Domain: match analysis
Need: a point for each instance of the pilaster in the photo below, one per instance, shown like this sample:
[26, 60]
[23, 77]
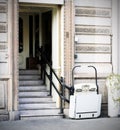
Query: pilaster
[68, 40]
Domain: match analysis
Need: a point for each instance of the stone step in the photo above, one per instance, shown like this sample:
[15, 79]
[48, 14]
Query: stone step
[32, 88]
[35, 114]
[22, 117]
[28, 77]
[24, 72]
[37, 106]
[40, 112]
[32, 94]
[40, 117]
[35, 100]
[30, 82]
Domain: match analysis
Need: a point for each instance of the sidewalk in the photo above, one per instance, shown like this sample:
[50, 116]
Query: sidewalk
[62, 124]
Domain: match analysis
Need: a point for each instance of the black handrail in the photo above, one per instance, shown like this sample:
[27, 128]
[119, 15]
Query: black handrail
[44, 62]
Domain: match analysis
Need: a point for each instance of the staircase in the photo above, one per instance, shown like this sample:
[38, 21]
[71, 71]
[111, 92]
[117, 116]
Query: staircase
[34, 102]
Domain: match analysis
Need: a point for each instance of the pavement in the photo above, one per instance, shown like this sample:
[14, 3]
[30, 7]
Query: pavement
[62, 124]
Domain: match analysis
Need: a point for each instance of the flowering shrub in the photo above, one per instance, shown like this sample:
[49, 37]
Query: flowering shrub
[113, 81]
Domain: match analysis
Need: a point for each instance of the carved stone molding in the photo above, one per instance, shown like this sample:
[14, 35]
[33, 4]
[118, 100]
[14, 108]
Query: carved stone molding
[3, 8]
[3, 1]
[3, 47]
[92, 30]
[95, 12]
[3, 28]
[86, 49]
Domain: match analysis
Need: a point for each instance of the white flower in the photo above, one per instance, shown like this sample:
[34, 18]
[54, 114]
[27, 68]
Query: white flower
[113, 81]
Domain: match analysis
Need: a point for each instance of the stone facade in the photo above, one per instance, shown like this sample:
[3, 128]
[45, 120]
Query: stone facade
[93, 23]
[8, 59]
[3, 60]
[88, 29]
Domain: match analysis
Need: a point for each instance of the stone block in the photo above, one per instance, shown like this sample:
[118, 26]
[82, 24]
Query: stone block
[2, 95]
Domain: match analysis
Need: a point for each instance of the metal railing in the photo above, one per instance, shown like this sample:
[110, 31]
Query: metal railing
[45, 62]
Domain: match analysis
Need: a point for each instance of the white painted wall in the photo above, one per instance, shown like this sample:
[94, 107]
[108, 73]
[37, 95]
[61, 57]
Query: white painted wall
[56, 49]
[25, 53]
[43, 1]
[119, 36]
[62, 41]
[114, 39]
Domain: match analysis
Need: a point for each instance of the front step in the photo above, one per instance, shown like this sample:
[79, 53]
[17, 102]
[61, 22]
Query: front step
[34, 102]
[31, 88]
[37, 106]
[38, 114]
[29, 77]
[31, 82]
[28, 72]
[32, 94]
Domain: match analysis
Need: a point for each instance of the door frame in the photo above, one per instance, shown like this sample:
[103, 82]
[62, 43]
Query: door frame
[57, 39]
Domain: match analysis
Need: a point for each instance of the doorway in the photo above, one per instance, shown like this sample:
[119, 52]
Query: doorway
[41, 28]
[47, 33]
[35, 30]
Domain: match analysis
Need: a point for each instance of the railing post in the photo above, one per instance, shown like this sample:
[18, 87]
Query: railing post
[63, 94]
[50, 82]
[44, 69]
[41, 71]
[61, 106]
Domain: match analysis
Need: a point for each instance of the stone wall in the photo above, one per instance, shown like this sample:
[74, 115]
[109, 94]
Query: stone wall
[3, 59]
[8, 58]
[93, 46]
